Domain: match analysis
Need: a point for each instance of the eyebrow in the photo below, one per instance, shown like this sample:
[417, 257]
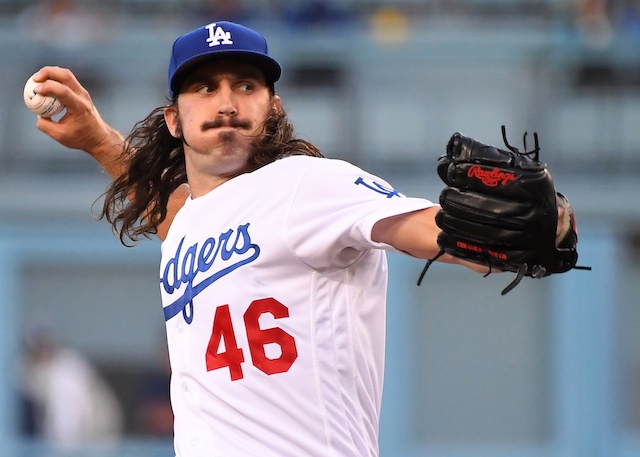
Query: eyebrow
[250, 73]
[240, 74]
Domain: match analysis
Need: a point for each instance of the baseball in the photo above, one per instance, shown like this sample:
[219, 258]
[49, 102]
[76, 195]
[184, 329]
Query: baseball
[43, 105]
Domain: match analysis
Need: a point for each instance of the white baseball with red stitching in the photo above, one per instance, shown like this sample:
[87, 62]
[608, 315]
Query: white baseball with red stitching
[42, 105]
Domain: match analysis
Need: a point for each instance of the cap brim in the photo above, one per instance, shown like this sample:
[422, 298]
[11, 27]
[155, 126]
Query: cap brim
[269, 67]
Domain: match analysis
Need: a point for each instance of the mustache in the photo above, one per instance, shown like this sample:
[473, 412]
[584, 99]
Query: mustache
[232, 122]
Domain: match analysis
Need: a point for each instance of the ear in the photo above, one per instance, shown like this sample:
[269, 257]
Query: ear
[171, 118]
[276, 103]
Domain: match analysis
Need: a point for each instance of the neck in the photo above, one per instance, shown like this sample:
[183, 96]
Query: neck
[201, 184]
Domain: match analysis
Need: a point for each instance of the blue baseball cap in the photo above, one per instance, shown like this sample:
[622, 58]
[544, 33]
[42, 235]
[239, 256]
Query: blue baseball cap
[220, 39]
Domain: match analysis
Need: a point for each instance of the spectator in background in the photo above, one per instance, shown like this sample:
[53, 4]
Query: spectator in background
[228, 10]
[70, 403]
[154, 415]
[593, 18]
[65, 24]
[315, 13]
[628, 19]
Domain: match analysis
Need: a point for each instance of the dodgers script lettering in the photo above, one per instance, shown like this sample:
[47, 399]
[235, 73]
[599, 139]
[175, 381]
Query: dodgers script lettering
[222, 255]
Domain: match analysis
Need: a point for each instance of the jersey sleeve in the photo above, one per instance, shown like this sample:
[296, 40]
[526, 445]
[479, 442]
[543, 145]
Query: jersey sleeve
[334, 209]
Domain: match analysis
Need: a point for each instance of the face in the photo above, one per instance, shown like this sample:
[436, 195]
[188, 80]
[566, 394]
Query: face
[220, 109]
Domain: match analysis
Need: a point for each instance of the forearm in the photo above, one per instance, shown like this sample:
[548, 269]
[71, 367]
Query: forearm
[108, 153]
[416, 234]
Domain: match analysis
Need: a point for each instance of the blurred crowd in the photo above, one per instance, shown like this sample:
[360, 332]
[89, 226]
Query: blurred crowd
[73, 22]
[85, 12]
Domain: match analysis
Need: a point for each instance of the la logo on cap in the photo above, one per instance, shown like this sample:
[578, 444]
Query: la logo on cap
[218, 36]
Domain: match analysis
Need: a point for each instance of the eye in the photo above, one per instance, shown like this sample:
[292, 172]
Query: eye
[246, 87]
[204, 88]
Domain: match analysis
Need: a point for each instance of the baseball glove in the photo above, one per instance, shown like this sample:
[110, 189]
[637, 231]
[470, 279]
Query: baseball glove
[500, 209]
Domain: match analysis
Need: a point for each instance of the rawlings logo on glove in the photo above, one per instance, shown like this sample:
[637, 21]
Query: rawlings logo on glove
[490, 178]
[500, 209]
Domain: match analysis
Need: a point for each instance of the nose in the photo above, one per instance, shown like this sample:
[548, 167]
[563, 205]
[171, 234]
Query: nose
[226, 101]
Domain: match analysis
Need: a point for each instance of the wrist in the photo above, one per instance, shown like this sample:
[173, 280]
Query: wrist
[108, 151]
[565, 213]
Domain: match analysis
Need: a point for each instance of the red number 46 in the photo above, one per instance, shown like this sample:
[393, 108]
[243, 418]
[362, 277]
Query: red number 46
[232, 356]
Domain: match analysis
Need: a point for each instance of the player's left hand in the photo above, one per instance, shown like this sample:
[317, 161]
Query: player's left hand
[500, 209]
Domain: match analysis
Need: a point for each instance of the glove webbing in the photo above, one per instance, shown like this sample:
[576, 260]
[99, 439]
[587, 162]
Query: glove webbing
[538, 272]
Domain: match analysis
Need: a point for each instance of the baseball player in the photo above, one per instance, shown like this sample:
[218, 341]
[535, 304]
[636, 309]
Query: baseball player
[273, 273]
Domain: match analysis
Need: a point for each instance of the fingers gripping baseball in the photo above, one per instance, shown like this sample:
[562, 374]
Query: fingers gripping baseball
[81, 127]
[42, 105]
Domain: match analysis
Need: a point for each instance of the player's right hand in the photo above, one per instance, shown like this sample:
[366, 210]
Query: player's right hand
[81, 127]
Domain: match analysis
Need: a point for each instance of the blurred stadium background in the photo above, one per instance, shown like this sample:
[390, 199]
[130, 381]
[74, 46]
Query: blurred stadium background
[550, 370]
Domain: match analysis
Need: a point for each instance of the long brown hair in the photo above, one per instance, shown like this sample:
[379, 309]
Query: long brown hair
[136, 202]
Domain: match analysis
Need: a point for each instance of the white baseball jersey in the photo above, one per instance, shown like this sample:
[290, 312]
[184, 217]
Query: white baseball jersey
[274, 298]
